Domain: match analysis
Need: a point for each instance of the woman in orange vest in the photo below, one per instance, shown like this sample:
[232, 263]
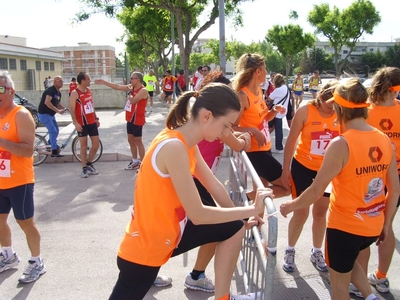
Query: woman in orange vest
[168, 211]
[384, 114]
[315, 123]
[359, 163]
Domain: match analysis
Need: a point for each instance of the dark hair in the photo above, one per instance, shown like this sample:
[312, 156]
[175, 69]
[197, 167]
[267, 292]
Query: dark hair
[214, 76]
[206, 66]
[73, 79]
[181, 72]
[384, 79]
[205, 98]
[169, 72]
[81, 76]
[199, 68]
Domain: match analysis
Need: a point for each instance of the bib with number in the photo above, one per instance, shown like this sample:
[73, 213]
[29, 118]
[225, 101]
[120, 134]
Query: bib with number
[128, 106]
[263, 127]
[168, 86]
[88, 107]
[320, 141]
[5, 164]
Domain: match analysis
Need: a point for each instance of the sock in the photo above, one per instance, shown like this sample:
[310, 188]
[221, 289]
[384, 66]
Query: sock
[314, 249]
[134, 160]
[8, 252]
[36, 259]
[371, 297]
[88, 163]
[380, 275]
[84, 168]
[289, 248]
[226, 297]
[195, 274]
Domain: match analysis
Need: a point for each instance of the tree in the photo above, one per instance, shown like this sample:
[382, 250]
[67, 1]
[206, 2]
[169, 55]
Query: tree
[185, 12]
[317, 59]
[344, 27]
[289, 40]
[392, 56]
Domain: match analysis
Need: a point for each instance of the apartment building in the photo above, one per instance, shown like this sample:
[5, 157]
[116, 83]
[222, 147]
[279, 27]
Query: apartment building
[98, 61]
[28, 66]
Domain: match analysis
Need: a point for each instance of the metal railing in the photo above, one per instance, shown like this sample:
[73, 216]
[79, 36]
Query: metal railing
[258, 254]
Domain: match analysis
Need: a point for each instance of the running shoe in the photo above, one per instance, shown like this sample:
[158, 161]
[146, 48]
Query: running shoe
[162, 281]
[92, 170]
[32, 272]
[382, 285]
[133, 165]
[203, 283]
[251, 296]
[354, 291]
[317, 258]
[10, 263]
[289, 265]
[84, 173]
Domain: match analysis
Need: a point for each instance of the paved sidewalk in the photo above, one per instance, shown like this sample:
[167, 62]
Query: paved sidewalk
[82, 222]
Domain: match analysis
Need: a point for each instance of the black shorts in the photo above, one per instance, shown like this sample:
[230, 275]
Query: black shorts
[151, 93]
[205, 196]
[20, 199]
[133, 129]
[265, 165]
[135, 280]
[89, 130]
[168, 93]
[342, 249]
[302, 177]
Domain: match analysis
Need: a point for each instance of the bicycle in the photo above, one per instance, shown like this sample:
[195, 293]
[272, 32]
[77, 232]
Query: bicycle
[42, 148]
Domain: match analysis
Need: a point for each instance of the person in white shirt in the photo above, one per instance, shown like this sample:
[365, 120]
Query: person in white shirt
[204, 70]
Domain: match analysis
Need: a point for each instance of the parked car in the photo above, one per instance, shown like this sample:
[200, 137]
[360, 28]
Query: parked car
[29, 106]
[306, 84]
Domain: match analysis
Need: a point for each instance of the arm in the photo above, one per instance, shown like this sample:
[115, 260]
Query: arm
[335, 158]
[26, 136]
[114, 86]
[297, 126]
[47, 102]
[237, 141]
[186, 190]
[139, 96]
[72, 103]
[392, 196]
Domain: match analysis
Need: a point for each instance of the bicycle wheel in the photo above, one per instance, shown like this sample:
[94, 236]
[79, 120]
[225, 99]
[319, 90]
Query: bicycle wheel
[76, 149]
[40, 150]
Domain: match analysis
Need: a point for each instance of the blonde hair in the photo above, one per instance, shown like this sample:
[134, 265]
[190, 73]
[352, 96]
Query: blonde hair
[246, 65]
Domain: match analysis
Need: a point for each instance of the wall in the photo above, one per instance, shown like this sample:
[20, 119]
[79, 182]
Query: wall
[103, 97]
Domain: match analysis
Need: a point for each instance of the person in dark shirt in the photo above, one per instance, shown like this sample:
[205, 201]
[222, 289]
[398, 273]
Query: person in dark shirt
[50, 104]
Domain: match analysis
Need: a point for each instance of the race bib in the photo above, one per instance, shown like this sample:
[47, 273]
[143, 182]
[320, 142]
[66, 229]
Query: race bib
[168, 86]
[314, 87]
[128, 106]
[263, 127]
[320, 141]
[150, 83]
[298, 87]
[5, 164]
[89, 107]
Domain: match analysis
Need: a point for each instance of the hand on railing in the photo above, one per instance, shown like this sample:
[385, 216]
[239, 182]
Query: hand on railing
[260, 195]
[66, 111]
[254, 221]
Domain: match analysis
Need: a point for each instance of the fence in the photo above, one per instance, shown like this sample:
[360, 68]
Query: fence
[258, 255]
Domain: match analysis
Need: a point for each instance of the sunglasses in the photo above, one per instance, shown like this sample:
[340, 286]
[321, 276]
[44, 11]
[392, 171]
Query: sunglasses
[3, 89]
[205, 70]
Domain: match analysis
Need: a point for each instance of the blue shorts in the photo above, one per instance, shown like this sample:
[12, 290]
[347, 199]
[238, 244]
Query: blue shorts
[168, 93]
[298, 93]
[313, 91]
[20, 199]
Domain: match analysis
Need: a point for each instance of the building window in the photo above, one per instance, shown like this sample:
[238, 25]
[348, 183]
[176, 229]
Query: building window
[38, 65]
[3, 63]
[24, 67]
[13, 63]
[51, 66]
[345, 51]
[371, 49]
[46, 65]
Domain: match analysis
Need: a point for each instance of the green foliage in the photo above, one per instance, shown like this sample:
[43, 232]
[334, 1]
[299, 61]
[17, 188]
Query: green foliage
[344, 27]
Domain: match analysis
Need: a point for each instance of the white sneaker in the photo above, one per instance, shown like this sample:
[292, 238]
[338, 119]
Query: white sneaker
[162, 281]
[32, 272]
[203, 283]
[10, 263]
[382, 285]
[133, 165]
[354, 291]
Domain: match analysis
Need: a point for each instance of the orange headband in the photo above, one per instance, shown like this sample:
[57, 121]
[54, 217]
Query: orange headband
[395, 88]
[345, 103]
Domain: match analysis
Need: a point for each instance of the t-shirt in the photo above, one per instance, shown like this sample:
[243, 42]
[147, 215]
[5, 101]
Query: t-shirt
[55, 100]
[277, 95]
[150, 82]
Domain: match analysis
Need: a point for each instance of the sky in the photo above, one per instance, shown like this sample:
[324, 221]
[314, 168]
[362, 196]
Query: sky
[47, 23]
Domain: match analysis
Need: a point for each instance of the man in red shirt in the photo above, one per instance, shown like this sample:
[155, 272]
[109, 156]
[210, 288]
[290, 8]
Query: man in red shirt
[72, 86]
[168, 87]
[180, 83]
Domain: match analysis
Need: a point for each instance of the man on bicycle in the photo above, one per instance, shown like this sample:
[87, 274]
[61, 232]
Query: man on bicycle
[86, 122]
[50, 104]
[17, 180]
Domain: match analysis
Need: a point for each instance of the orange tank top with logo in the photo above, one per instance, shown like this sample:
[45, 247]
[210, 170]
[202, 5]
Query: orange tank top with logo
[159, 219]
[14, 170]
[386, 119]
[254, 116]
[358, 192]
[314, 138]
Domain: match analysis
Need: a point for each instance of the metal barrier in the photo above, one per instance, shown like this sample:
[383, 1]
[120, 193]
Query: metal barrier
[258, 254]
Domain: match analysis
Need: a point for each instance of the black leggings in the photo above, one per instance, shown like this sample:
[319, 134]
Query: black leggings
[135, 280]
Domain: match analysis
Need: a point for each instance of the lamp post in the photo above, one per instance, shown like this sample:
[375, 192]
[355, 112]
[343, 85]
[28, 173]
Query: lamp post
[222, 44]
[173, 52]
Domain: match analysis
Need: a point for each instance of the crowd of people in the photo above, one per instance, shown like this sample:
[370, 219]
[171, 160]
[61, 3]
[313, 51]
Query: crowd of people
[340, 156]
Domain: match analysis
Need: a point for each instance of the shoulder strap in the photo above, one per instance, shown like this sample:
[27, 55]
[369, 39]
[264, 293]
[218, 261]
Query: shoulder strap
[283, 100]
